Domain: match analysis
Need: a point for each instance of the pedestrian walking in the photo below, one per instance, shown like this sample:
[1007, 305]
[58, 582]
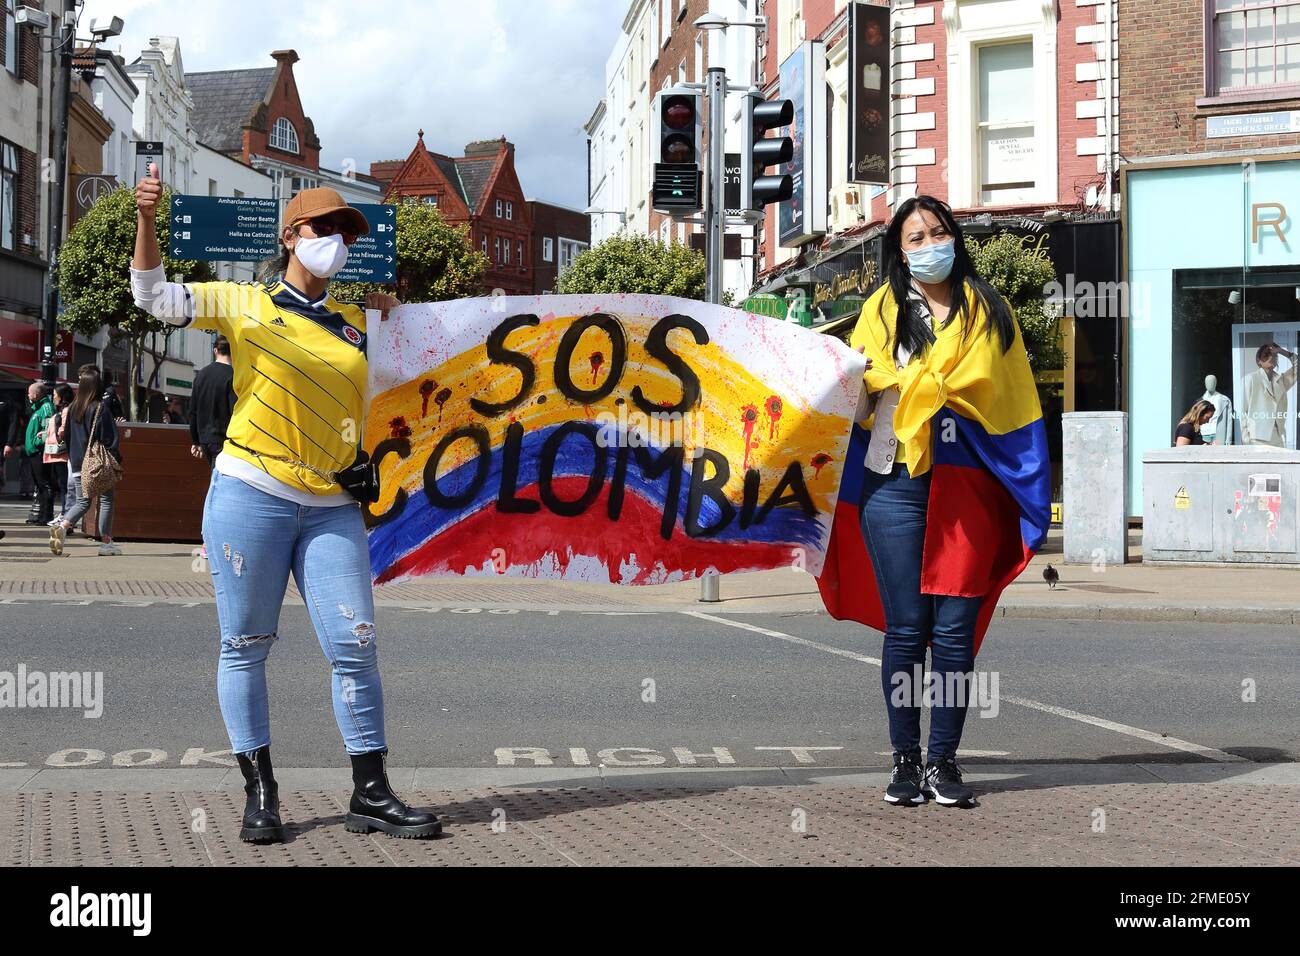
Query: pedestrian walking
[42, 409]
[212, 403]
[956, 467]
[66, 395]
[56, 451]
[89, 420]
[285, 490]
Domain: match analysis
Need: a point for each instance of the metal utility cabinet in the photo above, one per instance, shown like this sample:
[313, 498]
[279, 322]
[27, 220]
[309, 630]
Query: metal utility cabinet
[1234, 504]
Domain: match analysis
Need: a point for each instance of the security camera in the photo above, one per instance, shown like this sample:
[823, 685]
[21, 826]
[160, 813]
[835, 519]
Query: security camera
[102, 31]
[36, 19]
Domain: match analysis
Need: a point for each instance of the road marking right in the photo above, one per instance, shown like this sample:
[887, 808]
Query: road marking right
[1173, 743]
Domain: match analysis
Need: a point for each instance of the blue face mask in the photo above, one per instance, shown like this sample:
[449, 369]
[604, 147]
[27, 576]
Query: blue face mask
[932, 263]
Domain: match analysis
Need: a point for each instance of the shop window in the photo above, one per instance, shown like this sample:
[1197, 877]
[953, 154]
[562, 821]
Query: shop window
[1222, 318]
[1006, 123]
[1255, 46]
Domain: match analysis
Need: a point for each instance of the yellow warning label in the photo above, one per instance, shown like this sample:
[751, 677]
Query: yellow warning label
[1056, 512]
[1182, 500]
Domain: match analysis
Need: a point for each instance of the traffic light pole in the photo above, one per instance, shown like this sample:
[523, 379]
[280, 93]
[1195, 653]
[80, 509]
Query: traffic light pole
[714, 202]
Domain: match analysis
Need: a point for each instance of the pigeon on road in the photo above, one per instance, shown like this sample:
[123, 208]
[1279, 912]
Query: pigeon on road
[1051, 576]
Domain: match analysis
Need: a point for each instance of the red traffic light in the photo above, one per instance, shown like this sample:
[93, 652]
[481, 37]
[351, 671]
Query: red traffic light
[679, 115]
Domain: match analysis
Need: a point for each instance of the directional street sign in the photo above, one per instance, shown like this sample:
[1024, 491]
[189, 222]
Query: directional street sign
[239, 229]
[373, 257]
[223, 228]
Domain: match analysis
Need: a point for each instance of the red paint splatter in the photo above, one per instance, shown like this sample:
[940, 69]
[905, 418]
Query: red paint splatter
[773, 407]
[597, 360]
[441, 399]
[748, 418]
[426, 389]
[818, 461]
[398, 425]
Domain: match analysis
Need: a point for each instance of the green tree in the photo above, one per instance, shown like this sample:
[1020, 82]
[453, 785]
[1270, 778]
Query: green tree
[95, 282]
[435, 260]
[626, 263]
[1018, 267]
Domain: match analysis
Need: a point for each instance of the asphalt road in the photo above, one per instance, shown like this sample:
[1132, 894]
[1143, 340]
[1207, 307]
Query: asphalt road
[461, 689]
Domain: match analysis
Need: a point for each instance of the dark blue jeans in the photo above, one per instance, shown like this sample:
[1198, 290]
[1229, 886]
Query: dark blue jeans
[893, 527]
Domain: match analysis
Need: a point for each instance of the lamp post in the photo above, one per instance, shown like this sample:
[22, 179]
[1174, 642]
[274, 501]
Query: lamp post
[62, 48]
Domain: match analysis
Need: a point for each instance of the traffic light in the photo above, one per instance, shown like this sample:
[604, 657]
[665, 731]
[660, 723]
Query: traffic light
[677, 150]
[759, 151]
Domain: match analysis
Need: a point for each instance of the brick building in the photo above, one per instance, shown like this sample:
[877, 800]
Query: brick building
[1210, 134]
[560, 234]
[256, 117]
[479, 189]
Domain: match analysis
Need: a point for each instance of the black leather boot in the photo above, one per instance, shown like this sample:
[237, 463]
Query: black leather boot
[374, 806]
[34, 515]
[262, 808]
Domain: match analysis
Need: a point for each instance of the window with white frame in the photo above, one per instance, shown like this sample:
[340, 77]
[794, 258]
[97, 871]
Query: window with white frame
[1255, 45]
[1002, 138]
[11, 37]
[520, 244]
[1005, 123]
[570, 249]
[430, 200]
[699, 57]
[510, 210]
[548, 249]
[8, 195]
[496, 248]
[284, 136]
[483, 244]
[665, 21]
[499, 210]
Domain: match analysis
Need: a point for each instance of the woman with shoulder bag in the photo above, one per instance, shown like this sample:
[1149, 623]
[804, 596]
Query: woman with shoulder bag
[92, 436]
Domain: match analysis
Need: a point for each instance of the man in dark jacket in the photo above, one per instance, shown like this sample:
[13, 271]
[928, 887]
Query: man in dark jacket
[27, 438]
[212, 403]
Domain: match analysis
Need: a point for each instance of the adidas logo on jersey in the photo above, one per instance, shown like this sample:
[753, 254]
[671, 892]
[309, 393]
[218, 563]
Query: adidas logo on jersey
[280, 322]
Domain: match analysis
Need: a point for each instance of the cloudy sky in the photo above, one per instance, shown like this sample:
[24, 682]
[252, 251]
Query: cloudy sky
[372, 73]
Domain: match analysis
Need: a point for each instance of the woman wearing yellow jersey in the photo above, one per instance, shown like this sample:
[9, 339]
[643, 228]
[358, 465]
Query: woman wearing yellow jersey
[944, 301]
[285, 491]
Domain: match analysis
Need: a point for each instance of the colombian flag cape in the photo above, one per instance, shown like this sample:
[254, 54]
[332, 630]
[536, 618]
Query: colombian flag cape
[968, 412]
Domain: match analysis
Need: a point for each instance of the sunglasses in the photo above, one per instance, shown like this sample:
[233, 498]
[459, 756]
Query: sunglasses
[328, 227]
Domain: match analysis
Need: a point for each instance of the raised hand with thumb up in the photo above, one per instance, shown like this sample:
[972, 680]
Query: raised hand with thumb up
[148, 192]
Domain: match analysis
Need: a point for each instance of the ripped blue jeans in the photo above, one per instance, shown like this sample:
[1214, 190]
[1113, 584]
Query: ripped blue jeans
[254, 541]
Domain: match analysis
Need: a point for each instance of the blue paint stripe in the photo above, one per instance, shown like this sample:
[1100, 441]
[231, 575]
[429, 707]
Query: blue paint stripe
[421, 521]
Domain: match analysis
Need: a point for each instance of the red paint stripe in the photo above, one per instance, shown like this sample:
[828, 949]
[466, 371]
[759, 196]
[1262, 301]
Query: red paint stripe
[543, 535]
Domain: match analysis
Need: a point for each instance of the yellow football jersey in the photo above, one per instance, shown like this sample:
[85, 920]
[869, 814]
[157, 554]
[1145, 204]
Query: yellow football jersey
[299, 378]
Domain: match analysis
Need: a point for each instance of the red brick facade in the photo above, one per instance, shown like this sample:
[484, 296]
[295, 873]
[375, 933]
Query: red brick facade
[284, 102]
[1166, 102]
[1075, 173]
[468, 190]
[670, 57]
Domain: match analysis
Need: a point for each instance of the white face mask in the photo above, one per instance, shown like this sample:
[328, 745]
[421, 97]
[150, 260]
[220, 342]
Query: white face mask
[322, 256]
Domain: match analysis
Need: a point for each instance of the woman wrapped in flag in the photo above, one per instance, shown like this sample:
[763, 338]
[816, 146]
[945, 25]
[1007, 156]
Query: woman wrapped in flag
[954, 495]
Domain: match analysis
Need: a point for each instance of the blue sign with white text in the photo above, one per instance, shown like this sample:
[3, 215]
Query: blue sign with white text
[241, 229]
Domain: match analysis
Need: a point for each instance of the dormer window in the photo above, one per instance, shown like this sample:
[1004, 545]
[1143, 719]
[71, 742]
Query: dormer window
[284, 136]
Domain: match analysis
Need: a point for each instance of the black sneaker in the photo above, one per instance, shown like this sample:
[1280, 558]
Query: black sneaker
[943, 785]
[904, 788]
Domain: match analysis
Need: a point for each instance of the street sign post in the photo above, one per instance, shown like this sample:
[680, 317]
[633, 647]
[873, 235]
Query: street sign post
[240, 229]
[146, 153]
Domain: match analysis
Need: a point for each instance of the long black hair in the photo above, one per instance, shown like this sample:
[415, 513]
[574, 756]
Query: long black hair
[912, 331]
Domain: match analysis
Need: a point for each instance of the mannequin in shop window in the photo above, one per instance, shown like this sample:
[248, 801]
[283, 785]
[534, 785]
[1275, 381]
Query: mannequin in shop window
[1218, 430]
